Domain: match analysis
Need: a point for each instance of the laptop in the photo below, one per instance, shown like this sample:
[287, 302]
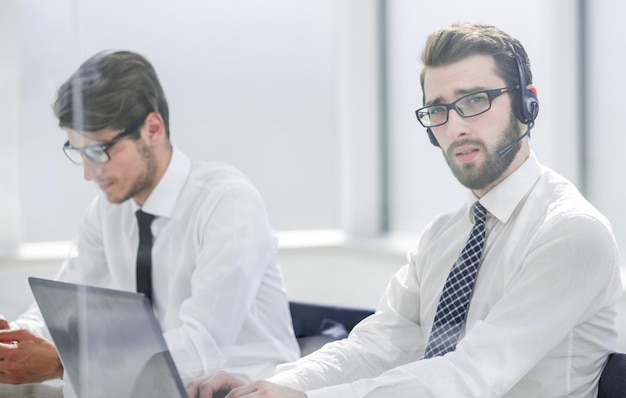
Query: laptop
[109, 341]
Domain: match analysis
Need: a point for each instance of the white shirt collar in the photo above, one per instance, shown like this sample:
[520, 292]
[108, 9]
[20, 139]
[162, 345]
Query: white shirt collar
[163, 198]
[502, 199]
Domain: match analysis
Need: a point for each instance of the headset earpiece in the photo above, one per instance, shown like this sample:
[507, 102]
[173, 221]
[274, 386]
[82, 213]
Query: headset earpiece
[432, 138]
[527, 106]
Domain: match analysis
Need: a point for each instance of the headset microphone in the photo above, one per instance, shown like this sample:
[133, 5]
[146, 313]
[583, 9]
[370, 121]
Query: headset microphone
[507, 148]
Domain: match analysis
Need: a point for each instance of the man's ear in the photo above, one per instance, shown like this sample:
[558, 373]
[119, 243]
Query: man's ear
[154, 127]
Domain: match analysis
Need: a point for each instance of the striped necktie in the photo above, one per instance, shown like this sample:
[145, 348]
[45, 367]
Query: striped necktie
[457, 291]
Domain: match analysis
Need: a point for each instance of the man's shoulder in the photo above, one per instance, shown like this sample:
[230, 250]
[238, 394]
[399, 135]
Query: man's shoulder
[560, 195]
[211, 181]
[216, 174]
[561, 202]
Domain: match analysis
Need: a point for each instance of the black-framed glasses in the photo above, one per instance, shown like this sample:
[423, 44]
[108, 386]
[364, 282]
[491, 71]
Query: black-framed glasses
[99, 153]
[468, 105]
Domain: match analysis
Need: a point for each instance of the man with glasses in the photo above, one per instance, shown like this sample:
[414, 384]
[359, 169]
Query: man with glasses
[527, 307]
[214, 280]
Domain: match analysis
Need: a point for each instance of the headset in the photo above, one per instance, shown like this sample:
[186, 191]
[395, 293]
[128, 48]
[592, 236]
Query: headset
[526, 105]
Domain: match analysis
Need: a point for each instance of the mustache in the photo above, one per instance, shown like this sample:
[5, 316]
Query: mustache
[465, 141]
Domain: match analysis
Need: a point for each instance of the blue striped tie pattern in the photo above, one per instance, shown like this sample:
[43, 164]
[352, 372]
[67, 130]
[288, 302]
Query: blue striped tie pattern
[457, 291]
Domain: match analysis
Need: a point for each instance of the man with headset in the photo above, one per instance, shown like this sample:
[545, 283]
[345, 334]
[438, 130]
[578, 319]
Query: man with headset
[527, 309]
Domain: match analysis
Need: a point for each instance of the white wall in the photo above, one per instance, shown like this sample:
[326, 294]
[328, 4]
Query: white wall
[9, 134]
[249, 83]
[289, 91]
[606, 87]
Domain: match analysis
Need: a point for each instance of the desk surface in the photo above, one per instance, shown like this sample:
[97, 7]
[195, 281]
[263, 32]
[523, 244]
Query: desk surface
[30, 391]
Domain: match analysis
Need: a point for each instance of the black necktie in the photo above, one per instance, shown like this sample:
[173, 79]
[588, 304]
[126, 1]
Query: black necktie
[144, 254]
[455, 297]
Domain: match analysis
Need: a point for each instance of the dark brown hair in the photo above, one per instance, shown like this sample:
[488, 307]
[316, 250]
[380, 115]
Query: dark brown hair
[458, 41]
[110, 90]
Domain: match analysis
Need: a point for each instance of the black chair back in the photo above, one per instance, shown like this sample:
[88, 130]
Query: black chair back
[613, 377]
[315, 325]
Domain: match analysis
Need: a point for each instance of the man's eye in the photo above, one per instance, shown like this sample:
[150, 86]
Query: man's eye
[436, 110]
[476, 99]
[94, 150]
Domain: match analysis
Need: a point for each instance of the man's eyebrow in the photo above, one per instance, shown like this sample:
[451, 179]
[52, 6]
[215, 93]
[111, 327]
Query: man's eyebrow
[458, 93]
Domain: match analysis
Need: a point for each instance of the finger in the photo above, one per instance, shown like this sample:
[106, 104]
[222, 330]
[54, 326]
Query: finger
[10, 335]
[244, 391]
[192, 389]
[8, 351]
[206, 391]
[205, 388]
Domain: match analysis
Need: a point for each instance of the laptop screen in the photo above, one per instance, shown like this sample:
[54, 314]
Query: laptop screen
[109, 341]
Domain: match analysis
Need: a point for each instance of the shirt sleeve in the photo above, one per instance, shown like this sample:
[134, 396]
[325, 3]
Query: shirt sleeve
[569, 273]
[85, 264]
[236, 248]
[387, 339]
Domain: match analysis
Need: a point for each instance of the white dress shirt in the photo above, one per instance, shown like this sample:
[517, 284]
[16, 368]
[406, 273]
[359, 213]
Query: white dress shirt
[217, 287]
[541, 318]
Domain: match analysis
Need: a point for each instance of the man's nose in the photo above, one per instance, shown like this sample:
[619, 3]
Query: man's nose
[457, 125]
[90, 169]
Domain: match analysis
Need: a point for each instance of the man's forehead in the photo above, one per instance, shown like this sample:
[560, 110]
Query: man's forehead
[450, 81]
[83, 138]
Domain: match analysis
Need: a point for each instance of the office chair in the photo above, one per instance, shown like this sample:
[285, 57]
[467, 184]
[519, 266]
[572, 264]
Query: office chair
[613, 378]
[315, 325]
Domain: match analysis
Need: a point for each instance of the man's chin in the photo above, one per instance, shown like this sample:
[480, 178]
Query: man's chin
[115, 199]
[469, 178]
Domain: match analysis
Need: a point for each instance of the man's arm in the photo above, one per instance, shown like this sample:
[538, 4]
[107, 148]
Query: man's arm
[392, 336]
[235, 274]
[34, 358]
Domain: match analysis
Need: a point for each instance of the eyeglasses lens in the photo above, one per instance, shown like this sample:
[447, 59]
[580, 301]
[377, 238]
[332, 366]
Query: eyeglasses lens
[95, 154]
[468, 106]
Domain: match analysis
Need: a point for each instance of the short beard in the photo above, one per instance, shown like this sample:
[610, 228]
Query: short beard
[480, 176]
[145, 180]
